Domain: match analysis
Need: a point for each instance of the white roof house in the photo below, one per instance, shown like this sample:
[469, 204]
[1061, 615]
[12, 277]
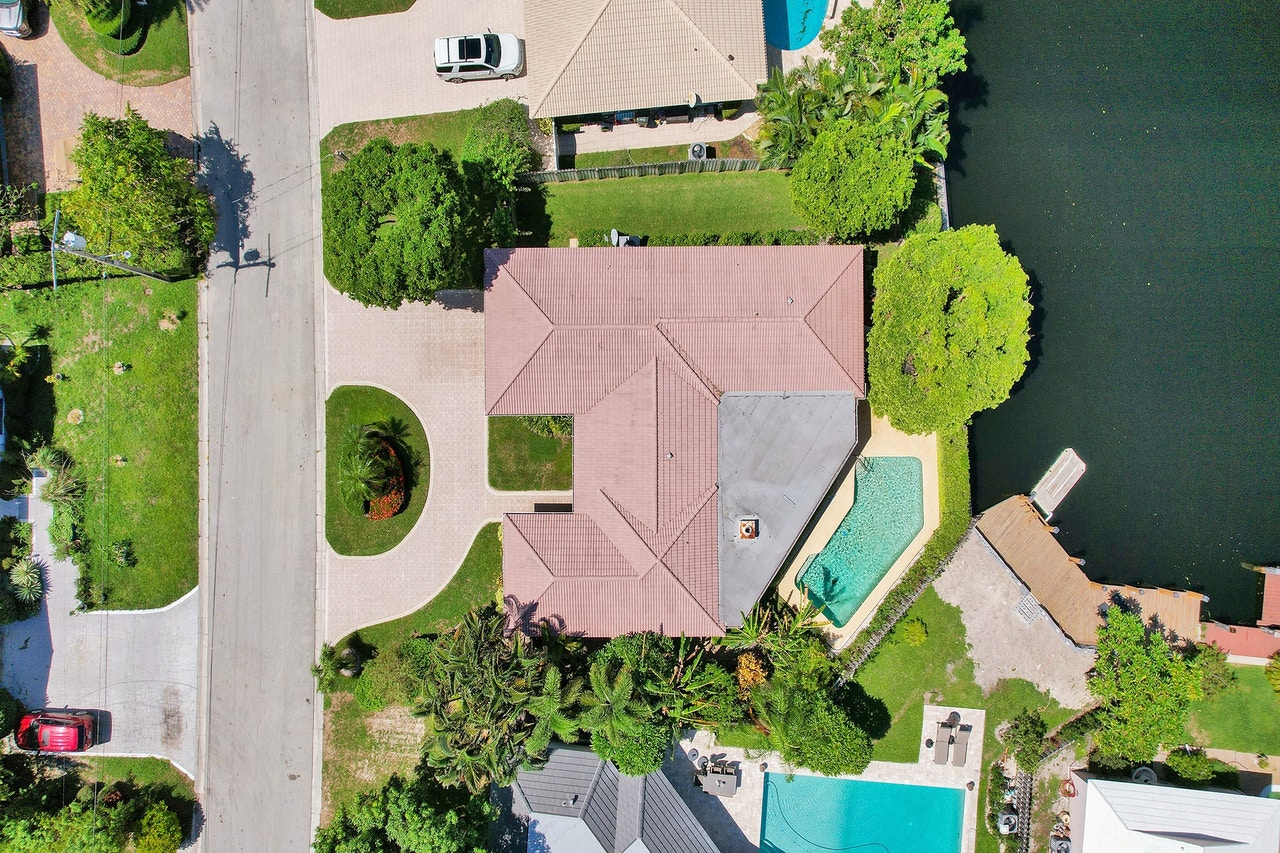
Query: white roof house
[1136, 818]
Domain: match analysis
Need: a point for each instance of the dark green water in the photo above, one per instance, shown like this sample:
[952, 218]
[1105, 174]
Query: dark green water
[1130, 155]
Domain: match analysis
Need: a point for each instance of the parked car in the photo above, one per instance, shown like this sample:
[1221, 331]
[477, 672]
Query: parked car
[13, 18]
[481, 57]
[55, 731]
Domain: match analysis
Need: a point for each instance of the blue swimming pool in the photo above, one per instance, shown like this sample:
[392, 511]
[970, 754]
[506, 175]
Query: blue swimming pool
[792, 24]
[888, 512]
[814, 814]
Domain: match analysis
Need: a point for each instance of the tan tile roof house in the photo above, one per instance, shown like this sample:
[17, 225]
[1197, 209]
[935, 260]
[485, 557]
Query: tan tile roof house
[600, 56]
[709, 386]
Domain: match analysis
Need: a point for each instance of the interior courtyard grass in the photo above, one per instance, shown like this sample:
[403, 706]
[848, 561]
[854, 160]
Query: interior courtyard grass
[357, 405]
[1244, 718]
[520, 460]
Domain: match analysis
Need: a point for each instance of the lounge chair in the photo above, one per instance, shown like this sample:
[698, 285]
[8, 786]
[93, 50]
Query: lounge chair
[960, 749]
[942, 743]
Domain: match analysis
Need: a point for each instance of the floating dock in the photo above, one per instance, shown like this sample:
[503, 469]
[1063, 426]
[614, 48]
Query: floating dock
[1058, 482]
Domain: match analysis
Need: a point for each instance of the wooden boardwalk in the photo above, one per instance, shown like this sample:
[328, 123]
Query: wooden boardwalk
[1027, 545]
[1270, 598]
[1058, 481]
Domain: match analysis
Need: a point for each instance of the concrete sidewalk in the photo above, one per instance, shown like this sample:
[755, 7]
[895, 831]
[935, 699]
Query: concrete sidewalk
[432, 358]
[140, 667]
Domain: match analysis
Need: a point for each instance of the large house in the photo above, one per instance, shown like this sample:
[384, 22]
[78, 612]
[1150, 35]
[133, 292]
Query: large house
[714, 395]
[604, 56]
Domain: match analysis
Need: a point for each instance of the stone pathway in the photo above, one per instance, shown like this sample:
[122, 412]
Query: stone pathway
[1010, 635]
[137, 666]
[431, 357]
[52, 92]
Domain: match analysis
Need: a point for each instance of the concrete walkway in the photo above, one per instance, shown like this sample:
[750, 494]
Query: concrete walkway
[432, 358]
[52, 92]
[139, 667]
[381, 66]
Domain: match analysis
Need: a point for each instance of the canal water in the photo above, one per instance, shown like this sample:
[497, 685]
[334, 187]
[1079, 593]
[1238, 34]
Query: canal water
[1129, 154]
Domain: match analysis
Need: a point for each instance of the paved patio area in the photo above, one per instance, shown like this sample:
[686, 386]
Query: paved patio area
[138, 666]
[52, 92]
[705, 129]
[381, 66]
[1010, 635]
[431, 357]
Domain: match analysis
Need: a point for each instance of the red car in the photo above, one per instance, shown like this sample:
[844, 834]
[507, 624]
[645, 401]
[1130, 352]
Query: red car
[55, 731]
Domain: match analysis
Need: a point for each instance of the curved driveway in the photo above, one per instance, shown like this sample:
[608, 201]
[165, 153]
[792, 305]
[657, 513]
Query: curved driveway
[432, 358]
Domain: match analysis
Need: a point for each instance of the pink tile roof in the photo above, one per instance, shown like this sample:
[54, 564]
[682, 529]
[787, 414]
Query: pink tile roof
[1271, 599]
[639, 345]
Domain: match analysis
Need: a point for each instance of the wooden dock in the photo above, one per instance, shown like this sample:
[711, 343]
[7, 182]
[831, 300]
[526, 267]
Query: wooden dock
[1026, 544]
[1270, 597]
[1058, 481]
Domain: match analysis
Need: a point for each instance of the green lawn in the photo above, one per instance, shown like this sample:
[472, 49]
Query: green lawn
[662, 204]
[135, 444]
[1246, 718]
[901, 675]
[477, 582]
[446, 131]
[162, 57]
[520, 460]
[355, 405]
[175, 788]
[631, 156]
[360, 8]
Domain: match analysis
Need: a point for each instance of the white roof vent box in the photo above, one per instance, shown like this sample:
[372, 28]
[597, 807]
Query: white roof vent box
[748, 528]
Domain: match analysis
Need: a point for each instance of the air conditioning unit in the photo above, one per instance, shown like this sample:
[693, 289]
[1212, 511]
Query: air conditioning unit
[697, 151]
[748, 528]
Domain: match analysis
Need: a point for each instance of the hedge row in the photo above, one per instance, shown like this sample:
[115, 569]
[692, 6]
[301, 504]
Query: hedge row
[953, 523]
[781, 237]
[19, 272]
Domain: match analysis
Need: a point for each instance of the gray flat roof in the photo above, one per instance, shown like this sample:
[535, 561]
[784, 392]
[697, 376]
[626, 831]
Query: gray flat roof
[778, 456]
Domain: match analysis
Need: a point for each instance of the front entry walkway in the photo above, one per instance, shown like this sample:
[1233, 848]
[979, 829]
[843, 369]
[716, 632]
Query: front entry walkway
[431, 357]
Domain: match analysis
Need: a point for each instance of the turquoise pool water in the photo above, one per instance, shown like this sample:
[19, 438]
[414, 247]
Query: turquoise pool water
[792, 24]
[814, 814]
[888, 512]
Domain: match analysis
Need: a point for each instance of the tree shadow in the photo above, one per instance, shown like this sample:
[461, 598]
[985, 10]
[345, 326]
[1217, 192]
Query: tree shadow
[225, 173]
[533, 223]
[24, 131]
[966, 90]
[1035, 343]
[870, 713]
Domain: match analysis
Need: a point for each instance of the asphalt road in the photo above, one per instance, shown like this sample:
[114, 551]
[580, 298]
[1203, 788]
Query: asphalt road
[253, 103]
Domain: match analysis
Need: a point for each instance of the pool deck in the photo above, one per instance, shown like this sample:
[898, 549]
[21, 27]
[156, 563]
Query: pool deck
[734, 822]
[884, 441]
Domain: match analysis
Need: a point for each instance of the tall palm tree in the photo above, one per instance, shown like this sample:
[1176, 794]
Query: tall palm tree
[613, 710]
[553, 709]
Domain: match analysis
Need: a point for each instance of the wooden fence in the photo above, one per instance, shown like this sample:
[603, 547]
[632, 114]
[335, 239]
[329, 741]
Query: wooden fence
[676, 167]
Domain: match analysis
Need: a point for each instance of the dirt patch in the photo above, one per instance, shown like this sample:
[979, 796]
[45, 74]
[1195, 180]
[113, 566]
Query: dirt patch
[361, 751]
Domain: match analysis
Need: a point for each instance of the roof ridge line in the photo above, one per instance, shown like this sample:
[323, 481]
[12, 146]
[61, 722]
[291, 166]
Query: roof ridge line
[541, 562]
[860, 384]
[696, 505]
[533, 108]
[715, 390]
[551, 327]
[697, 29]
[671, 573]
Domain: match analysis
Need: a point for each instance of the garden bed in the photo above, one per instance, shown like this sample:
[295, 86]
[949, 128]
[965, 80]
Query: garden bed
[520, 460]
[339, 9]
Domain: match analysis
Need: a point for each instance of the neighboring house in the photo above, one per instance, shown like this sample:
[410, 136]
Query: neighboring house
[579, 803]
[602, 56]
[1109, 816]
[714, 394]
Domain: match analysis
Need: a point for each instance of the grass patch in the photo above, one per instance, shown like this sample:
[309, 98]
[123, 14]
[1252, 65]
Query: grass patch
[631, 156]
[477, 582]
[162, 58]
[743, 736]
[520, 460]
[172, 785]
[360, 8]
[1245, 718]
[446, 131]
[662, 204]
[362, 751]
[353, 405]
[135, 446]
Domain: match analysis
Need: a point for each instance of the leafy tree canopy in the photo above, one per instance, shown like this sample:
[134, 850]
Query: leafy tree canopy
[409, 817]
[501, 141]
[135, 196]
[949, 329]
[1144, 687]
[1025, 737]
[397, 226]
[893, 35]
[854, 179]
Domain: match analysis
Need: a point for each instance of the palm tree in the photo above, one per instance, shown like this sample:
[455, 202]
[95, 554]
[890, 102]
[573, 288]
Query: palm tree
[613, 709]
[366, 470]
[552, 708]
[27, 578]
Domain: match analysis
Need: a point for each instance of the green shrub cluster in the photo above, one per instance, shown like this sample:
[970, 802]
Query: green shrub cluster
[1273, 672]
[1025, 739]
[1191, 765]
[1080, 727]
[996, 784]
[501, 142]
[15, 545]
[549, 426]
[590, 237]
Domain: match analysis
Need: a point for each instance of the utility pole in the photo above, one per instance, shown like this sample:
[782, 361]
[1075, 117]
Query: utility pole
[53, 248]
[73, 244]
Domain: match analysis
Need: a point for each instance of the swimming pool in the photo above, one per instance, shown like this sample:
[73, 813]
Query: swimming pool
[888, 512]
[792, 24]
[814, 814]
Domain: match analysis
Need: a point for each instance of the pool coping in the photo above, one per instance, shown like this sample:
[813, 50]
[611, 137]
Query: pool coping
[884, 440]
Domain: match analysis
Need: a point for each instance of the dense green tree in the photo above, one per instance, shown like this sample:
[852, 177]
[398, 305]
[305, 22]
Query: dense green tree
[613, 709]
[397, 225]
[159, 832]
[409, 817]
[1273, 672]
[949, 329]
[501, 142]
[1191, 765]
[1144, 687]
[135, 196]
[854, 179]
[1216, 675]
[78, 828]
[1025, 738]
[894, 35]
[553, 707]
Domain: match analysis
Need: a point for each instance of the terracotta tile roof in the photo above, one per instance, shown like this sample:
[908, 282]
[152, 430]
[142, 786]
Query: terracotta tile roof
[1270, 599]
[1242, 640]
[639, 345]
[599, 56]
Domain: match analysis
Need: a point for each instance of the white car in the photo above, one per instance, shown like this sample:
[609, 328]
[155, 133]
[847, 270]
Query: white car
[482, 57]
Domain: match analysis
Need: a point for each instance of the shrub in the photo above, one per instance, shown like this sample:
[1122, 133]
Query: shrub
[325, 670]
[26, 577]
[549, 426]
[107, 17]
[1025, 739]
[10, 712]
[501, 142]
[160, 831]
[914, 631]
[126, 44]
[589, 237]
[389, 679]
[750, 673]
[639, 753]
[368, 470]
[1216, 675]
[1273, 672]
[854, 179]
[1191, 765]
[827, 740]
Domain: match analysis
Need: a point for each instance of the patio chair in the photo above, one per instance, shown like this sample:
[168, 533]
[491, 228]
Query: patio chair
[942, 744]
[960, 749]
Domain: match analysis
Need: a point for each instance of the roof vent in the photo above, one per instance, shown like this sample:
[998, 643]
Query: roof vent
[748, 528]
